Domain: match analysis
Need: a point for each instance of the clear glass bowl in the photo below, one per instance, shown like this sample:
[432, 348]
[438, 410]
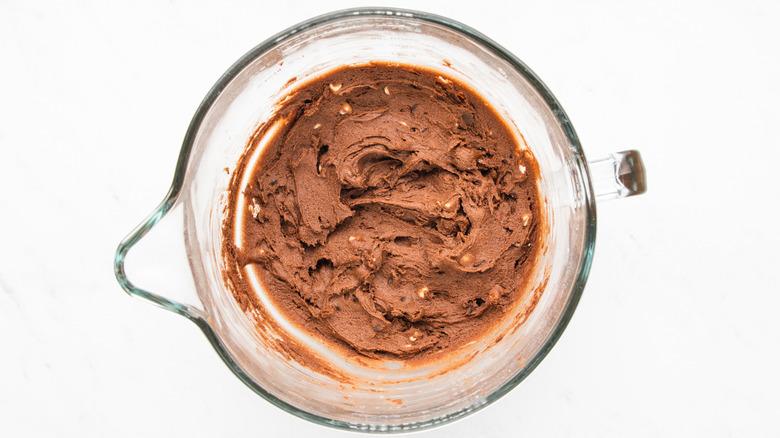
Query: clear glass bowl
[394, 398]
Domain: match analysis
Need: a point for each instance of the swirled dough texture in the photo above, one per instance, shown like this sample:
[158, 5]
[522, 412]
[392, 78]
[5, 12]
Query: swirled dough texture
[393, 213]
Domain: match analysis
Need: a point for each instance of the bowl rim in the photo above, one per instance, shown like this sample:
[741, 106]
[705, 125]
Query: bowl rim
[201, 320]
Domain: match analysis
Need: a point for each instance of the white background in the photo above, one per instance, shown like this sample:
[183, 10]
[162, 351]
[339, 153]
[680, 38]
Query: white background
[678, 332]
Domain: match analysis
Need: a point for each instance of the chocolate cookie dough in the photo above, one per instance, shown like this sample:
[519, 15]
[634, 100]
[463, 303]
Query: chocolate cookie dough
[391, 213]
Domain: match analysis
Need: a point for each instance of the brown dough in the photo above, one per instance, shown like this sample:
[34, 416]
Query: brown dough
[394, 213]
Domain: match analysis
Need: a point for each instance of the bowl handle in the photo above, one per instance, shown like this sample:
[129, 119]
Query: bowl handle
[618, 175]
[187, 310]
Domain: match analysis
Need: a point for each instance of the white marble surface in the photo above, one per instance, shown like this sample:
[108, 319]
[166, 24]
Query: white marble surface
[676, 335]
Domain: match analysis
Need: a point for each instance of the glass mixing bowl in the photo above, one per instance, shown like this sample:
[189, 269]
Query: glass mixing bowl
[391, 398]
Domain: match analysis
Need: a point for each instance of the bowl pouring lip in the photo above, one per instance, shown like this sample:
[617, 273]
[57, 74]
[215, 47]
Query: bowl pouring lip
[200, 319]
